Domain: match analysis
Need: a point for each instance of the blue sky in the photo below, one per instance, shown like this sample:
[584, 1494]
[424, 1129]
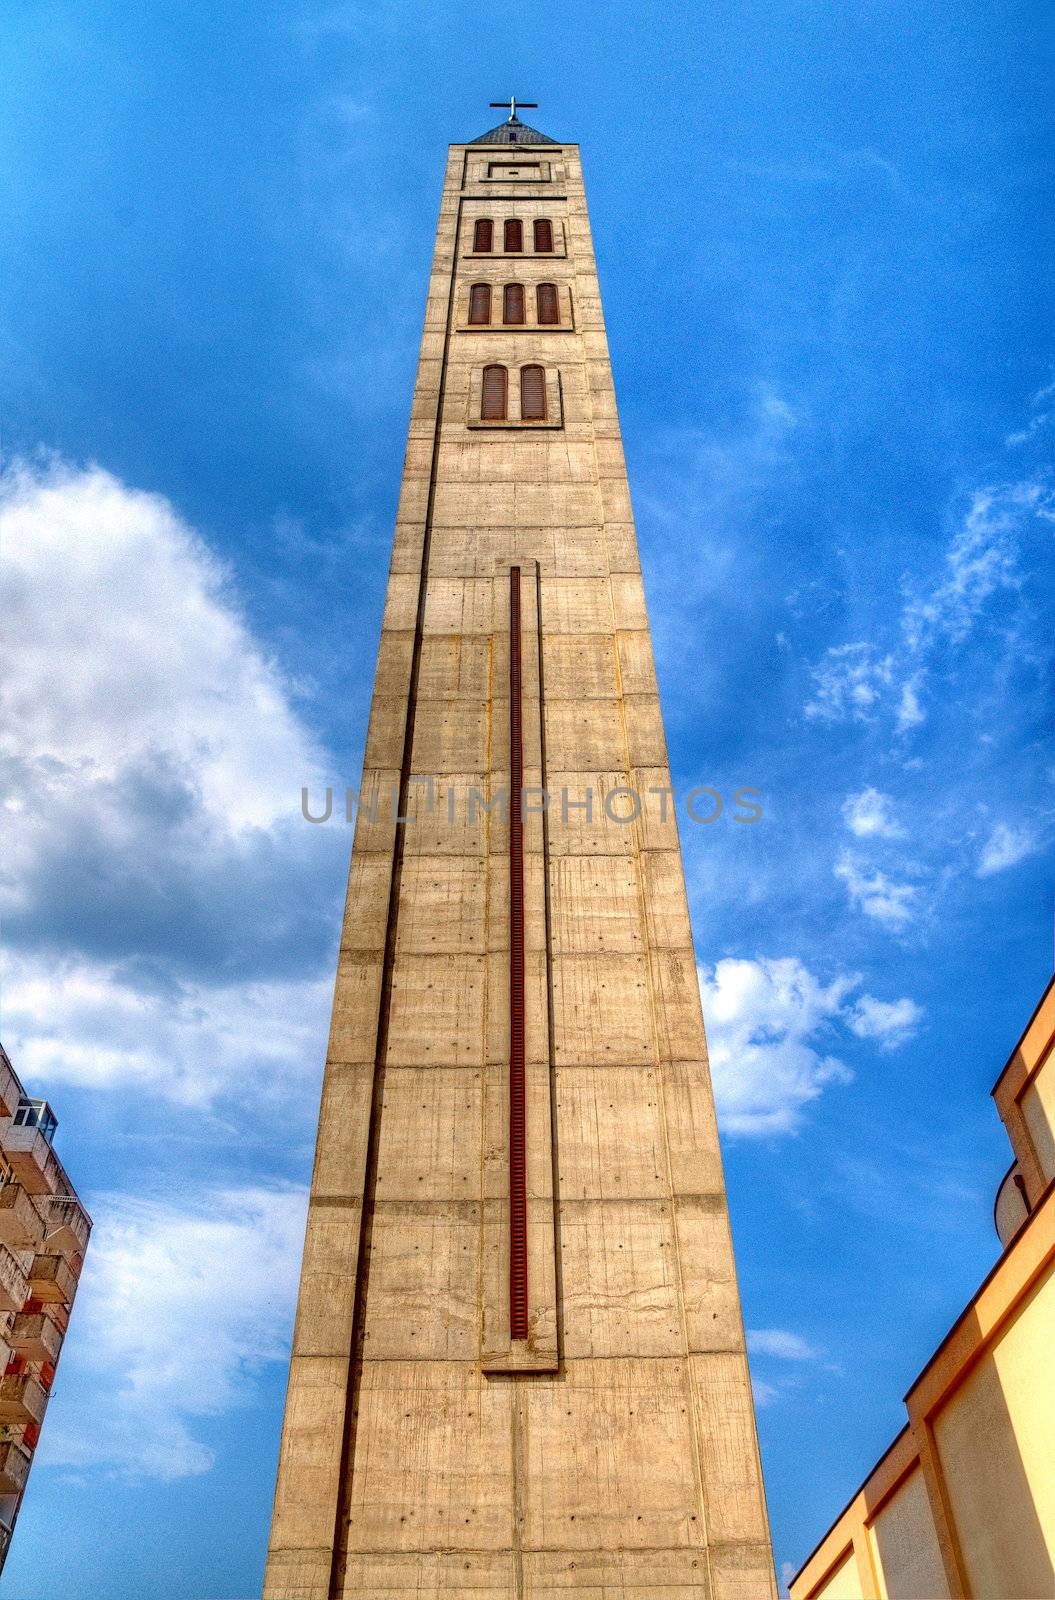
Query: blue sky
[824, 238]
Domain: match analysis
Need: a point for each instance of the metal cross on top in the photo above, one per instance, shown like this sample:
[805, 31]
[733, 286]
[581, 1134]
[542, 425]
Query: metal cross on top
[529, 105]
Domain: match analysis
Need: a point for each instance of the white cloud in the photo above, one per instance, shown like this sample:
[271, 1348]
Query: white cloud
[889, 1022]
[910, 712]
[872, 892]
[870, 815]
[1005, 847]
[849, 683]
[179, 1310]
[767, 1023]
[765, 1394]
[760, 1018]
[982, 558]
[123, 639]
[83, 1022]
[778, 1344]
[860, 681]
[775, 411]
[1035, 425]
[781, 1343]
[165, 904]
[1038, 422]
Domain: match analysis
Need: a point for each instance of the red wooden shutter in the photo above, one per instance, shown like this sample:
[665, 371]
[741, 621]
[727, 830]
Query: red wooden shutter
[543, 236]
[493, 407]
[480, 303]
[548, 309]
[483, 234]
[513, 302]
[514, 234]
[532, 394]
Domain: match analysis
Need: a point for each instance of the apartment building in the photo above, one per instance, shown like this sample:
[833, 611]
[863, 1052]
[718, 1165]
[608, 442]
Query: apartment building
[44, 1232]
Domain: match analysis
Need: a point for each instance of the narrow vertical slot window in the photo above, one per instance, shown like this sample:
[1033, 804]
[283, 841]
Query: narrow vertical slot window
[480, 304]
[533, 394]
[548, 305]
[543, 229]
[493, 399]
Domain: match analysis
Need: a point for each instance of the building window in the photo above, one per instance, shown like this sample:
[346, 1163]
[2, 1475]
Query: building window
[532, 394]
[493, 399]
[480, 304]
[514, 234]
[30, 1113]
[523, 171]
[544, 236]
[513, 302]
[483, 234]
[546, 301]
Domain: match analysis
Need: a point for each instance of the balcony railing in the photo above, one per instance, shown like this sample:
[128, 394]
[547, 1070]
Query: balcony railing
[67, 1225]
[21, 1222]
[10, 1088]
[14, 1284]
[52, 1278]
[33, 1161]
[22, 1398]
[14, 1467]
[35, 1336]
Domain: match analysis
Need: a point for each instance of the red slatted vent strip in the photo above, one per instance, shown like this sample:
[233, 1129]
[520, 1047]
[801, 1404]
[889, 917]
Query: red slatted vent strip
[483, 234]
[518, 1265]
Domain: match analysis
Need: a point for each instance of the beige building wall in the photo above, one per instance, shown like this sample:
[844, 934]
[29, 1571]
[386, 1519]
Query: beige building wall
[1025, 1098]
[996, 1443]
[963, 1503]
[904, 1547]
[425, 1451]
[843, 1582]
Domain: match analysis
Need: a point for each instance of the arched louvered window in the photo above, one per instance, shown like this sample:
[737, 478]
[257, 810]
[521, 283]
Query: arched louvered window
[493, 400]
[513, 302]
[548, 308]
[483, 234]
[532, 394]
[514, 234]
[480, 304]
[543, 236]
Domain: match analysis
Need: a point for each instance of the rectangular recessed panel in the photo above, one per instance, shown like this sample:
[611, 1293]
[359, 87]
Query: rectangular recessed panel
[520, 1320]
[518, 1264]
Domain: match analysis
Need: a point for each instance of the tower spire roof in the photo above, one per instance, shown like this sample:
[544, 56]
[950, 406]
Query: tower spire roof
[513, 131]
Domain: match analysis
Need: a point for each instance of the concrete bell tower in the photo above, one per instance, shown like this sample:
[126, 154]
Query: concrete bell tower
[518, 1366]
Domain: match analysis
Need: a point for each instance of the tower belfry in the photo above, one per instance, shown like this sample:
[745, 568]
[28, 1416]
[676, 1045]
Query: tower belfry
[518, 1363]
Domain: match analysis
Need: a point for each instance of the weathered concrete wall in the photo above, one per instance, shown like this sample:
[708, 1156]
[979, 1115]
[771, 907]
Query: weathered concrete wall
[621, 1459]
